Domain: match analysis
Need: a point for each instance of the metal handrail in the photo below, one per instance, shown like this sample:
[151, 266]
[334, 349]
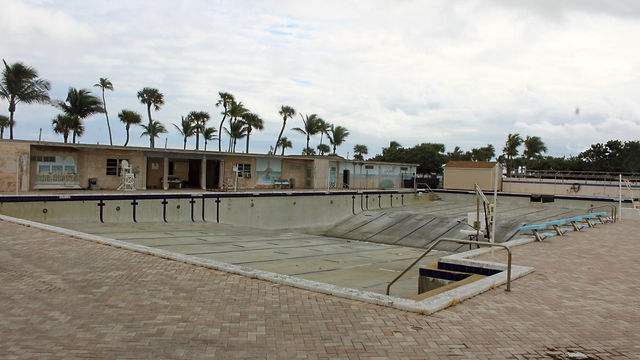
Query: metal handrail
[613, 210]
[459, 242]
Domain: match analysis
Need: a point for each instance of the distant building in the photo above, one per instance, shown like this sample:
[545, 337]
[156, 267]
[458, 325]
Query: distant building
[32, 165]
[463, 175]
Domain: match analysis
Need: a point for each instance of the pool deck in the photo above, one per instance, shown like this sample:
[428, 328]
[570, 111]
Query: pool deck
[62, 297]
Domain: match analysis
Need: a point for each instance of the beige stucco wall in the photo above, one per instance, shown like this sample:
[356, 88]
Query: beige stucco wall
[229, 174]
[296, 172]
[12, 159]
[566, 187]
[466, 178]
[92, 163]
[321, 173]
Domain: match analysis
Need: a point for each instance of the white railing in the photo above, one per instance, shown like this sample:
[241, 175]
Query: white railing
[57, 179]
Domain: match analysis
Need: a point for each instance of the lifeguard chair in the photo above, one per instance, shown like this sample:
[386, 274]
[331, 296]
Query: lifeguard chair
[127, 179]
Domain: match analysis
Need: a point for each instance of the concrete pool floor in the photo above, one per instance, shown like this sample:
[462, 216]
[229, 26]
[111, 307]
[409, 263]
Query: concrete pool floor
[354, 264]
[63, 297]
[393, 238]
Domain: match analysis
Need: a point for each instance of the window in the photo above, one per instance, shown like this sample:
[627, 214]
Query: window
[172, 167]
[370, 167]
[244, 170]
[112, 167]
[43, 158]
[403, 169]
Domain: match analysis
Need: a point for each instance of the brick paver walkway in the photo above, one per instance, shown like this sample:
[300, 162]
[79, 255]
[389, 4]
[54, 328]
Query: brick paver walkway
[62, 297]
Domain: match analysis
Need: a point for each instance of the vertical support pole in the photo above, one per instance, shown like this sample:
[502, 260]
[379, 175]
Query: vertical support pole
[165, 174]
[495, 207]
[203, 173]
[620, 197]
[476, 223]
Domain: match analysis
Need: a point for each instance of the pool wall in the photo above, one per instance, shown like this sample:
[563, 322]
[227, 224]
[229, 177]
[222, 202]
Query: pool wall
[263, 210]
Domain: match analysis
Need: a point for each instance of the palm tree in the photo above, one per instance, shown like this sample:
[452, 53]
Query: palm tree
[186, 129]
[336, 136]
[21, 83]
[284, 143]
[63, 124]
[252, 121]
[359, 150]
[286, 112]
[311, 127]
[208, 134]
[511, 149]
[153, 130]
[236, 131]
[456, 154]
[323, 149]
[4, 123]
[225, 101]
[151, 97]
[79, 105]
[199, 120]
[323, 127]
[105, 84]
[129, 118]
[533, 147]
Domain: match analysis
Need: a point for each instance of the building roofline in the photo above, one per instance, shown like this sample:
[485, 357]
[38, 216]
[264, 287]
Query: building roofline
[197, 152]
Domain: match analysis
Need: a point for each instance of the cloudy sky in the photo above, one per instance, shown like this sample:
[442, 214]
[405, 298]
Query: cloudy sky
[462, 73]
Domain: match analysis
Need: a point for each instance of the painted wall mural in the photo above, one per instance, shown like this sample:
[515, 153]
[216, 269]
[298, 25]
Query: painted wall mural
[268, 170]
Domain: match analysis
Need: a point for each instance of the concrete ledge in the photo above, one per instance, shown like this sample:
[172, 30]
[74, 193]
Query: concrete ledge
[427, 306]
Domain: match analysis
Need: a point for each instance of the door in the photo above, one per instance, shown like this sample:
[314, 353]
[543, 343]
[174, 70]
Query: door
[345, 179]
[213, 174]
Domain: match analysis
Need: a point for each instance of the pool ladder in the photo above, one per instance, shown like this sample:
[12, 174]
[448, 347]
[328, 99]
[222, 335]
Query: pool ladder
[490, 244]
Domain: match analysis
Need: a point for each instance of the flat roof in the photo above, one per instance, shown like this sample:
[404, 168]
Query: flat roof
[160, 151]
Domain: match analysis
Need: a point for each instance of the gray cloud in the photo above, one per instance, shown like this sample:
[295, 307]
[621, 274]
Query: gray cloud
[460, 73]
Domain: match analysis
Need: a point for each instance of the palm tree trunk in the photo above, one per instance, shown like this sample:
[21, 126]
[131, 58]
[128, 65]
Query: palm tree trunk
[104, 102]
[66, 136]
[74, 136]
[248, 134]
[12, 109]
[127, 140]
[149, 113]
[197, 137]
[1, 133]
[308, 144]
[220, 130]
[283, 151]
[205, 145]
[185, 143]
[152, 142]
[284, 124]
